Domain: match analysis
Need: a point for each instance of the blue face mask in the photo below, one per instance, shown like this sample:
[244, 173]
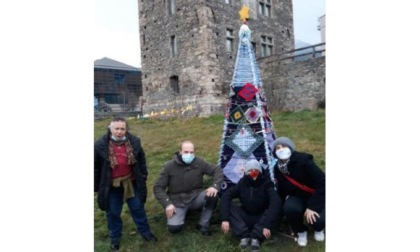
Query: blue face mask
[188, 158]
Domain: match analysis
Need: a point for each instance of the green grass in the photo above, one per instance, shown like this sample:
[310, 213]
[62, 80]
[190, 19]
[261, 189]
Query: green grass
[161, 138]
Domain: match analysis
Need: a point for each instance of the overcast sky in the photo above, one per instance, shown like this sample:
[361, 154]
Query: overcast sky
[117, 36]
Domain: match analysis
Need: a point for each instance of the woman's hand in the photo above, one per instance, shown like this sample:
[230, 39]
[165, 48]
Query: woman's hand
[310, 216]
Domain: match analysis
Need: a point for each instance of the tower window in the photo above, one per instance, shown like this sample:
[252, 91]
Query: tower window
[264, 8]
[174, 50]
[171, 7]
[229, 40]
[266, 46]
[174, 83]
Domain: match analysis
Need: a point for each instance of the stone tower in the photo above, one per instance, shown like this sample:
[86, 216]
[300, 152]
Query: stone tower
[188, 49]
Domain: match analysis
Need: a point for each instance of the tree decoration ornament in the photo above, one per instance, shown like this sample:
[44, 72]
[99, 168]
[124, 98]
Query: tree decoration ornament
[244, 13]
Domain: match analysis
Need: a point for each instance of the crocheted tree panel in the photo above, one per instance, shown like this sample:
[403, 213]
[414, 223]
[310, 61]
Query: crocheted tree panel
[252, 114]
[248, 92]
[246, 135]
[243, 141]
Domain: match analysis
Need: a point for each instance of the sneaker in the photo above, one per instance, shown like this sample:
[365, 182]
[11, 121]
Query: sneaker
[244, 243]
[150, 237]
[115, 245]
[204, 230]
[255, 245]
[319, 235]
[302, 239]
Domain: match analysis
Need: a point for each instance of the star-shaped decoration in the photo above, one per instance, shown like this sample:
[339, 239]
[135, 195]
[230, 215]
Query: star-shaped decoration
[244, 13]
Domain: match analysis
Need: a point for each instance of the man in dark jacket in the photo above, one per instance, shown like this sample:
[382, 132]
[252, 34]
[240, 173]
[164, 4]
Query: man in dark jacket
[259, 210]
[120, 174]
[301, 185]
[180, 188]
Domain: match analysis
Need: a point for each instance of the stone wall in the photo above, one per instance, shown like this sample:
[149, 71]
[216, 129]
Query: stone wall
[293, 86]
[203, 65]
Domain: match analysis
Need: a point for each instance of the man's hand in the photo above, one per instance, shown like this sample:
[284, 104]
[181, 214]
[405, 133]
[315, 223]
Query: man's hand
[225, 227]
[170, 211]
[310, 216]
[211, 192]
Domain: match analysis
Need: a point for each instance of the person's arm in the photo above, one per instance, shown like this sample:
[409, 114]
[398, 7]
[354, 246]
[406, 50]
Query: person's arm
[274, 207]
[216, 172]
[141, 162]
[160, 187]
[141, 158]
[317, 201]
[96, 170]
[226, 201]
[226, 204]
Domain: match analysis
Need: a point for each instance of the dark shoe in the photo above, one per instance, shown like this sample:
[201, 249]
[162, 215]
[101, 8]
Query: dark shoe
[150, 237]
[204, 231]
[115, 246]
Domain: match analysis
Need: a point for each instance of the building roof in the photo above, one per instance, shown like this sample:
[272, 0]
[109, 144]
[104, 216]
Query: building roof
[107, 63]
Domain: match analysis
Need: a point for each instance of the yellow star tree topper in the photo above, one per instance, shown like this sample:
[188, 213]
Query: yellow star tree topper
[244, 13]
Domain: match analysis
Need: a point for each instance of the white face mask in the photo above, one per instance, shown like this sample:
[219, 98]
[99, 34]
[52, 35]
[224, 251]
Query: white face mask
[284, 153]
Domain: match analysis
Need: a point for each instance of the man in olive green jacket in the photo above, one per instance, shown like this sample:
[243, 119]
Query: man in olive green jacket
[180, 188]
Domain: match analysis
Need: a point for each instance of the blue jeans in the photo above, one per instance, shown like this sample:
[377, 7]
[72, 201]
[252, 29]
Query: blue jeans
[113, 214]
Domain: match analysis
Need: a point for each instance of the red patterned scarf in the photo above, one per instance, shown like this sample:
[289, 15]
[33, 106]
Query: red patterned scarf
[128, 149]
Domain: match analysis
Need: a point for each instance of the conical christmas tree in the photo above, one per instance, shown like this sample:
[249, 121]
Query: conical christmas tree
[248, 132]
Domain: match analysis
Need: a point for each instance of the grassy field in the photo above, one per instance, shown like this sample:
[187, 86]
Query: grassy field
[161, 138]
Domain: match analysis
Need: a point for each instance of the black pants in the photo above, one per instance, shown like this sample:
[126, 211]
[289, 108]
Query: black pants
[245, 225]
[294, 209]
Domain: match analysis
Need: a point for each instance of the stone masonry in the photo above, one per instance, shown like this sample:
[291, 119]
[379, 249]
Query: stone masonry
[293, 86]
[185, 60]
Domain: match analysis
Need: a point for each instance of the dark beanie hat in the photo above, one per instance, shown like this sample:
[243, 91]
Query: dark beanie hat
[285, 141]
